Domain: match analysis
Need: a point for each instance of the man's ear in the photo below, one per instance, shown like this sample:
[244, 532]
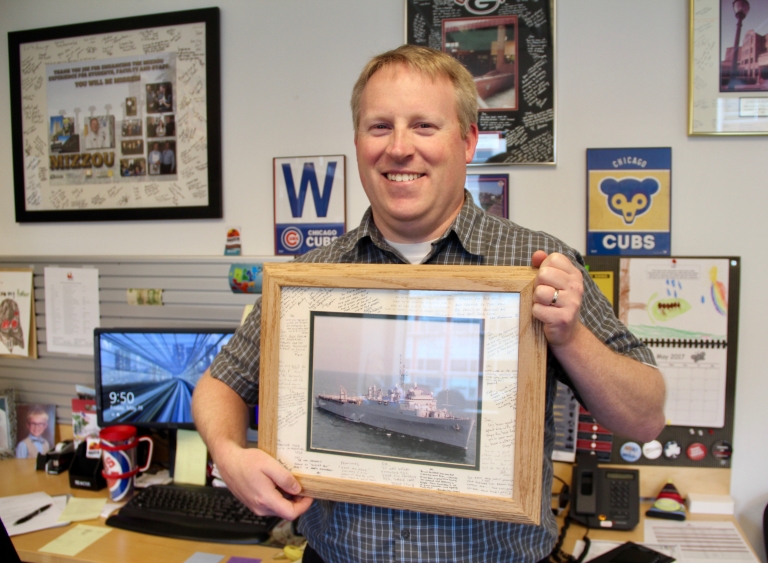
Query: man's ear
[471, 141]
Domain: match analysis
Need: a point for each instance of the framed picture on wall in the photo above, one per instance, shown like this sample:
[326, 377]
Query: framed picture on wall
[417, 388]
[728, 68]
[509, 48]
[491, 192]
[118, 119]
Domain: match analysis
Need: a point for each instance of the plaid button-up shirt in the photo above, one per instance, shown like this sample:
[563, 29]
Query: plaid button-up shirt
[343, 532]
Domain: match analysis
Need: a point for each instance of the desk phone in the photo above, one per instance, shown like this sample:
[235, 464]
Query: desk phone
[605, 498]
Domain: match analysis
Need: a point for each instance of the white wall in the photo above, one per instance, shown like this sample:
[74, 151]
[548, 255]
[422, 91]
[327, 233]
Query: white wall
[287, 70]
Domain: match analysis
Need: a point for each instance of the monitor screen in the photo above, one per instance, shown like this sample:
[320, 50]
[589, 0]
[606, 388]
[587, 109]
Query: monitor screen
[145, 377]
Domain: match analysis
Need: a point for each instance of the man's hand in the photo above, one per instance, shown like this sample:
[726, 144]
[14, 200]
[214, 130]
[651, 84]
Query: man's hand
[257, 479]
[557, 277]
[261, 483]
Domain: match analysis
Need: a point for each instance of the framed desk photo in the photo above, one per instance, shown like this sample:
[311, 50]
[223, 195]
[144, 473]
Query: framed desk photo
[409, 387]
[728, 68]
[509, 48]
[118, 119]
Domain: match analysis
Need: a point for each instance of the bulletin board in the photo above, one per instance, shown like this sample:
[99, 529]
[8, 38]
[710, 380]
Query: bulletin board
[686, 309]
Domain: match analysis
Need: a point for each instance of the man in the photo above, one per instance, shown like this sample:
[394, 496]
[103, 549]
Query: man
[37, 423]
[97, 137]
[169, 160]
[155, 159]
[415, 112]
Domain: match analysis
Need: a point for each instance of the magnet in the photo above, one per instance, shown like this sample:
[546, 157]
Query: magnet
[630, 452]
[672, 450]
[722, 450]
[696, 451]
[652, 450]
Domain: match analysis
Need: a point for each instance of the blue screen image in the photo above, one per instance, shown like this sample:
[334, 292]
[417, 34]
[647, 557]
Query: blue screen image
[147, 378]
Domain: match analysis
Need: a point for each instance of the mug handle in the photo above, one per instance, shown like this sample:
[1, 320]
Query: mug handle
[149, 453]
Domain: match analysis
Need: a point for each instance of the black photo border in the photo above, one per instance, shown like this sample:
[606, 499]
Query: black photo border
[213, 209]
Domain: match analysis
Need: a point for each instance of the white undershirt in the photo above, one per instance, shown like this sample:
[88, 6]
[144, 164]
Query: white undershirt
[413, 252]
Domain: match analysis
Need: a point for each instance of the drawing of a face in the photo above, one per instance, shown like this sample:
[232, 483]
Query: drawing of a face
[10, 325]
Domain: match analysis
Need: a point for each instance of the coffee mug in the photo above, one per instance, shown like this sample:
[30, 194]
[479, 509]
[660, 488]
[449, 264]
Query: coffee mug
[118, 449]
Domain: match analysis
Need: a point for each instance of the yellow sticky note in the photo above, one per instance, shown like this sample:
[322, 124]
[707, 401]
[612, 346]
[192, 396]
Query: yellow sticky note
[75, 540]
[191, 458]
[604, 280]
[79, 509]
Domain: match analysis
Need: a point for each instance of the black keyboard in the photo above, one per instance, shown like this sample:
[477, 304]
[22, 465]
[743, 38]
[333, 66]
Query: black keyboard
[192, 512]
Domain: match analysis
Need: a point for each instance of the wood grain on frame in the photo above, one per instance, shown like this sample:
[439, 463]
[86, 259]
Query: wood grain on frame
[525, 504]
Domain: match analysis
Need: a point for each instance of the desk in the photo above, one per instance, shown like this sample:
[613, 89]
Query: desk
[18, 477]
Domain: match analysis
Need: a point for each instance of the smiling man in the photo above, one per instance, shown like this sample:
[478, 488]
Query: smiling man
[414, 111]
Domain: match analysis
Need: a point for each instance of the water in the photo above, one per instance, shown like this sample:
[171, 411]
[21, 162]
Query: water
[335, 434]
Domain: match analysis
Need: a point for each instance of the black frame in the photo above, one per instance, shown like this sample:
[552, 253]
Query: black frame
[213, 208]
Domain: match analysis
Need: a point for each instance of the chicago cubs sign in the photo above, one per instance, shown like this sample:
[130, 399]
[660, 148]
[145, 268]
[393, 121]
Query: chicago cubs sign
[628, 201]
[310, 205]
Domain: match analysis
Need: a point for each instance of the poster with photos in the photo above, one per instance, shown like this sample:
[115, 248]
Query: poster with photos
[117, 119]
[509, 48]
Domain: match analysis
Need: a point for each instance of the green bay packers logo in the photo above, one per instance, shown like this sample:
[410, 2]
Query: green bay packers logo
[480, 7]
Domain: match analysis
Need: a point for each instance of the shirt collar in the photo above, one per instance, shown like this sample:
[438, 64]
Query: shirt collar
[469, 219]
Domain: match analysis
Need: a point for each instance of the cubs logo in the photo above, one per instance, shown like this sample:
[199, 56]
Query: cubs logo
[292, 238]
[480, 7]
[629, 197]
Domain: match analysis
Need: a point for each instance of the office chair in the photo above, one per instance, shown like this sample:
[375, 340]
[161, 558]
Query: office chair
[7, 551]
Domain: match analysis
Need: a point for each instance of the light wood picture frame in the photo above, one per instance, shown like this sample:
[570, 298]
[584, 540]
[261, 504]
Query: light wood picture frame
[471, 360]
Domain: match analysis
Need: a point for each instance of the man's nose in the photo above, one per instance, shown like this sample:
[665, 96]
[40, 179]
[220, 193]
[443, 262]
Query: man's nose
[400, 144]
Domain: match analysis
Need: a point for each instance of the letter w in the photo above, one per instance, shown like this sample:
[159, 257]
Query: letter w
[308, 176]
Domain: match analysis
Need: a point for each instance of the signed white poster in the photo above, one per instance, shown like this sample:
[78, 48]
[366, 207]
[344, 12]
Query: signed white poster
[71, 309]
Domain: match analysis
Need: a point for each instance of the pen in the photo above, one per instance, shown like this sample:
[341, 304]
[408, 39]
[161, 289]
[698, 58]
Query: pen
[31, 515]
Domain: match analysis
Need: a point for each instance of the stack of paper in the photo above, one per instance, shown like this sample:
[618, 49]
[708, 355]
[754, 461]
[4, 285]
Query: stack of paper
[17, 507]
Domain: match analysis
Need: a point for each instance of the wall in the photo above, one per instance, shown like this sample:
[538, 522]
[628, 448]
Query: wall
[288, 67]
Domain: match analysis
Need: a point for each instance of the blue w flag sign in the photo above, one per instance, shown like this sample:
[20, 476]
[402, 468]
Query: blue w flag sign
[301, 225]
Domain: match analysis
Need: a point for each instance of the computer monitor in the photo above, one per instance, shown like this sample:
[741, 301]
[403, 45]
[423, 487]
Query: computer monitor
[145, 377]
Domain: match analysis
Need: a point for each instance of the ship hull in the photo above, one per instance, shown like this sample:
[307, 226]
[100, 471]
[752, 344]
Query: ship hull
[451, 431]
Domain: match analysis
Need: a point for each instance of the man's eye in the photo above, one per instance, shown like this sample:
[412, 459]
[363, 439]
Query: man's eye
[425, 126]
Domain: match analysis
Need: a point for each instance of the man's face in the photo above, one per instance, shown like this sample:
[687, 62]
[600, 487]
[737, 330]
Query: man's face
[37, 424]
[95, 125]
[410, 154]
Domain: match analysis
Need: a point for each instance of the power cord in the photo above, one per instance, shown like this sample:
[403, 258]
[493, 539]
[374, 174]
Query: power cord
[558, 555]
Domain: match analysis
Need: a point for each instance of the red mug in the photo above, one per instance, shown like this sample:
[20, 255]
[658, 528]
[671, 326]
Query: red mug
[118, 451]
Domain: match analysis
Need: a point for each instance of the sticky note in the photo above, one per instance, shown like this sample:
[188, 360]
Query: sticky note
[191, 458]
[75, 540]
[79, 509]
[202, 557]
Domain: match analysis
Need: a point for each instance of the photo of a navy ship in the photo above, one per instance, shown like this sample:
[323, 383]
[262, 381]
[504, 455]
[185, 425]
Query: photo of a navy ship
[394, 387]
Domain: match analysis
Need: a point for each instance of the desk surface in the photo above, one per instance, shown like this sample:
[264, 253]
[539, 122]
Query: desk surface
[18, 476]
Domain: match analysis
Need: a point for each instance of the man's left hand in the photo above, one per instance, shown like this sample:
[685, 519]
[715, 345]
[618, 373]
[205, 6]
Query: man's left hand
[557, 293]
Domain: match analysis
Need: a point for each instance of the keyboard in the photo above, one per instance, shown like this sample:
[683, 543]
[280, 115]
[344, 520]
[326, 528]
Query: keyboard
[192, 512]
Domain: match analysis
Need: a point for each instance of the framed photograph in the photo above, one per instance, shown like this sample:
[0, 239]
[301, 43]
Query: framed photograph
[509, 48]
[491, 192]
[7, 423]
[418, 387]
[118, 119]
[728, 68]
[35, 428]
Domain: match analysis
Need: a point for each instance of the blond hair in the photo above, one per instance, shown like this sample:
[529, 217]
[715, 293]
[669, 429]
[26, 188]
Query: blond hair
[432, 64]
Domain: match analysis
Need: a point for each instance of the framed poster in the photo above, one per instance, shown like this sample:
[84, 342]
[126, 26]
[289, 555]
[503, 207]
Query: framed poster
[418, 388]
[310, 202]
[117, 119]
[728, 68]
[509, 48]
[629, 201]
[491, 192]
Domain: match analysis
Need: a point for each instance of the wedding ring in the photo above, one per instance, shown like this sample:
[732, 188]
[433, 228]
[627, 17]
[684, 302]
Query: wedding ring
[554, 297]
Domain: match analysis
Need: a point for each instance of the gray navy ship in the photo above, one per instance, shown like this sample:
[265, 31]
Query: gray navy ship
[413, 412]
